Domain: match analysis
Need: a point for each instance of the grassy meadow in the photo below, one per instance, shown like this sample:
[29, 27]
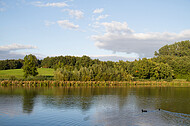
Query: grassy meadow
[18, 73]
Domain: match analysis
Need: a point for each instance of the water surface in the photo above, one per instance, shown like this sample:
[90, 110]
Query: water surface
[98, 106]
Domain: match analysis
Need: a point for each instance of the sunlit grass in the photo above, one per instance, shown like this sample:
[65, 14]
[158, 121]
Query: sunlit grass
[18, 73]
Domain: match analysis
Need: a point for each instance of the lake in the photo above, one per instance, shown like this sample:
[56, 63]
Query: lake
[94, 106]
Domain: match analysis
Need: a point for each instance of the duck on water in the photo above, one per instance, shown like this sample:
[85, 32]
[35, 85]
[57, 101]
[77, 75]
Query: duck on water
[143, 110]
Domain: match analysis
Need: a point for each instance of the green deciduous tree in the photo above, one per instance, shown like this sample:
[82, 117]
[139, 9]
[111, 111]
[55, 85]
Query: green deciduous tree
[30, 65]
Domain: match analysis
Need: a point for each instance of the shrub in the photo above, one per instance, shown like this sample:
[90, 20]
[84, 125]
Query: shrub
[188, 78]
[169, 79]
[153, 78]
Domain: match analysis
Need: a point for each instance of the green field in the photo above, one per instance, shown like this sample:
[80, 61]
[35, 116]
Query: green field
[18, 73]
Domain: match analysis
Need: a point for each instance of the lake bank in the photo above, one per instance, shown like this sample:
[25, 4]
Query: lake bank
[89, 83]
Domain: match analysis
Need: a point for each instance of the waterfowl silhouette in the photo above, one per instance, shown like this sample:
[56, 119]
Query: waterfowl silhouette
[144, 110]
[159, 109]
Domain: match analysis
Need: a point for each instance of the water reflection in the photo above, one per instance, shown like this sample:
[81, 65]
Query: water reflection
[28, 100]
[96, 106]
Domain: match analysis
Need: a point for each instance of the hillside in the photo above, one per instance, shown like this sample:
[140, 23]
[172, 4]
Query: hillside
[18, 73]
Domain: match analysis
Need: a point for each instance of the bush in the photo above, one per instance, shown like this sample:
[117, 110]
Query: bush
[39, 78]
[136, 78]
[188, 78]
[153, 78]
[169, 79]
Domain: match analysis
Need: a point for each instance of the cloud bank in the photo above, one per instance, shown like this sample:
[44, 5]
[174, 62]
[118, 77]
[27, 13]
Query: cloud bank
[118, 37]
[10, 51]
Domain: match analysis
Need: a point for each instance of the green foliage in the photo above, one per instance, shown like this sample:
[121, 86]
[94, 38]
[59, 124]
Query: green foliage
[178, 49]
[68, 62]
[30, 65]
[38, 78]
[93, 73]
[58, 62]
[188, 79]
[169, 79]
[11, 64]
[146, 69]
[180, 65]
[177, 56]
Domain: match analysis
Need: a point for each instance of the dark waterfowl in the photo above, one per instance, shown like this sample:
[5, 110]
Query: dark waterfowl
[159, 109]
[144, 110]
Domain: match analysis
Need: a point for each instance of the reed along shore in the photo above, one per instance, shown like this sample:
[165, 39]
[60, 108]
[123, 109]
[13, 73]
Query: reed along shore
[87, 83]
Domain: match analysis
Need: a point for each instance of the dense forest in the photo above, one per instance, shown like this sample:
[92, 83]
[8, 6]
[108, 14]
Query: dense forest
[170, 62]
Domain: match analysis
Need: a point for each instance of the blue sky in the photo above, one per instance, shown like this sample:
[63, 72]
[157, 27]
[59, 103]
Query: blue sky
[104, 29]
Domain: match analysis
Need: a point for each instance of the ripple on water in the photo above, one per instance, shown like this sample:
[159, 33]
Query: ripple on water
[102, 109]
[176, 118]
[10, 105]
[153, 117]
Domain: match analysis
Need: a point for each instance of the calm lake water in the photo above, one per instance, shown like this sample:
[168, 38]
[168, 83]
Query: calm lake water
[99, 106]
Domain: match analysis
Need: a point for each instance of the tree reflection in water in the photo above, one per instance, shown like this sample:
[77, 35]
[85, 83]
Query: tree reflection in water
[104, 105]
[28, 100]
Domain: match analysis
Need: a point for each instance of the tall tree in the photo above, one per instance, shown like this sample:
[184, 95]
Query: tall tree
[178, 49]
[30, 65]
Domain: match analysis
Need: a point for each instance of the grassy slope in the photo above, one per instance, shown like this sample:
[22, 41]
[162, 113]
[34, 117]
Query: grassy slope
[19, 72]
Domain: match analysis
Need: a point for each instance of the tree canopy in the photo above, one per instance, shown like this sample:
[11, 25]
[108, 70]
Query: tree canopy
[30, 65]
[177, 56]
[178, 49]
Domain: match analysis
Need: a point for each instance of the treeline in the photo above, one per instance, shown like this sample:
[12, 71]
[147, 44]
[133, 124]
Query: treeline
[178, 49]
[179, 65]
[177, 56]
[170, 62]
[11, 64]
[70, 62]
[14, 64]
[117, 71]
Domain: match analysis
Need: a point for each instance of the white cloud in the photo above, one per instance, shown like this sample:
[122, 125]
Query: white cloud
[117, 27]
[101, 17]
[9, 51]
[98, 10]
[75, 13]
[113, 58]
[58, 4]
[118, 37]
[66, 24]
[15, 46]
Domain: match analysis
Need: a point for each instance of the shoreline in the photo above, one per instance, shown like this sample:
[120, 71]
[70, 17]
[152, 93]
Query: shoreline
[47, 83]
